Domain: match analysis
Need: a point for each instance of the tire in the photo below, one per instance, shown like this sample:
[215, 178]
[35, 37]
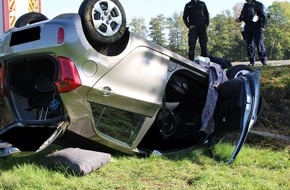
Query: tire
[224, 63]
[237, 71]
[29, 18]
[99, 24]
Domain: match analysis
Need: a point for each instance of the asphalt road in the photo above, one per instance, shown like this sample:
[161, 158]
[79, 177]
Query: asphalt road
[270, 63]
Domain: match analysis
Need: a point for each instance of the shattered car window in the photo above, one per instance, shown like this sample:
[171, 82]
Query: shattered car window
[121, 125]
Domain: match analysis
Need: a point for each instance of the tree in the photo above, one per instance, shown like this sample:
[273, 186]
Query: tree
[177, 36]
[156, 29]
[225, 38]
[138, 26]
[278, 31]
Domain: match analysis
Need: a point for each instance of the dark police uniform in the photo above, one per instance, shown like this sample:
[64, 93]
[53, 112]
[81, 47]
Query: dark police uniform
[196, 18]
[253, 33]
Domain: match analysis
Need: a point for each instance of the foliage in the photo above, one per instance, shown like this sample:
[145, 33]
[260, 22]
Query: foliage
[157, 30]
[177, 35]
[278, 31]
[276, 94]
[138, 27]
[225, 39]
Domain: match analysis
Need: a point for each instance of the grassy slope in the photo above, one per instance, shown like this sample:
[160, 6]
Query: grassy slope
[263, 164]
[275, 89]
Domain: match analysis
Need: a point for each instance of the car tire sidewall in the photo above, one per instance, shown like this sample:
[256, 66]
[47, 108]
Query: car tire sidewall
[92, 35]
[238, 70]
[29, 18]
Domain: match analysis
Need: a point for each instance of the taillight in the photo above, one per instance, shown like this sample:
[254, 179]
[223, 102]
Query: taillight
[68, 77]
[3, 86]
[60, 36]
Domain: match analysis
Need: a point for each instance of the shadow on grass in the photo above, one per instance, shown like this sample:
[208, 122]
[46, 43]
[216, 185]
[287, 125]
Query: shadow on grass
[18, 159]
[39, 160]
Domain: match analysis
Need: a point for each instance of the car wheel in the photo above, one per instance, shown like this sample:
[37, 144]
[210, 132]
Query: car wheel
[237, 71]
[167, 123]
[29, 18]
[103, 21]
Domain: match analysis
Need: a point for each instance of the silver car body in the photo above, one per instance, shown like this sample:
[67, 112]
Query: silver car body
[130, 84]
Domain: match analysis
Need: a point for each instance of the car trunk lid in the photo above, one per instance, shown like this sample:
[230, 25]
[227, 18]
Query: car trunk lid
[30, 138]
[32, 87]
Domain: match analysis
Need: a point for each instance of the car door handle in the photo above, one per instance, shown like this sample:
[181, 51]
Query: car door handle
[106, 91]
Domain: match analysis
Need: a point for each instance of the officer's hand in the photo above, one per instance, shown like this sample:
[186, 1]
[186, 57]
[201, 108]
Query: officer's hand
[191, 27]
[238, 20]
[262, 29]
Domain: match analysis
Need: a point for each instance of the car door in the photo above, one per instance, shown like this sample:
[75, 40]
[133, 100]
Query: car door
[238, 107]
[130, 92]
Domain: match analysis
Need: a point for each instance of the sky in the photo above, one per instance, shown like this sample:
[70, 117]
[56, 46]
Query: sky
[144, 8]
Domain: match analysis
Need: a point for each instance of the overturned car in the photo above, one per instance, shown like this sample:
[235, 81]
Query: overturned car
[86, 80]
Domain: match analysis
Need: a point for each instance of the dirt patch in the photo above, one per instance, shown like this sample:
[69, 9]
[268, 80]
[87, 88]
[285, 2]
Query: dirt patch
[276, 110]
[274, 119]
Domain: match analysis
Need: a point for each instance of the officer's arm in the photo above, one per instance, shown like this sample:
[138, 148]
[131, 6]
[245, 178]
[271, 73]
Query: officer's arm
[240, 18]
[185, 17]
[206, 14]
[262, 15]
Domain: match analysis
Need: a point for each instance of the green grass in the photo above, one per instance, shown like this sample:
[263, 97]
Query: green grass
[253, 169]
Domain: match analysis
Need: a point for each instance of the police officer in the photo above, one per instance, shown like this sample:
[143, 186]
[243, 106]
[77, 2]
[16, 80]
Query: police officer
[255, 19]
[196, 18]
